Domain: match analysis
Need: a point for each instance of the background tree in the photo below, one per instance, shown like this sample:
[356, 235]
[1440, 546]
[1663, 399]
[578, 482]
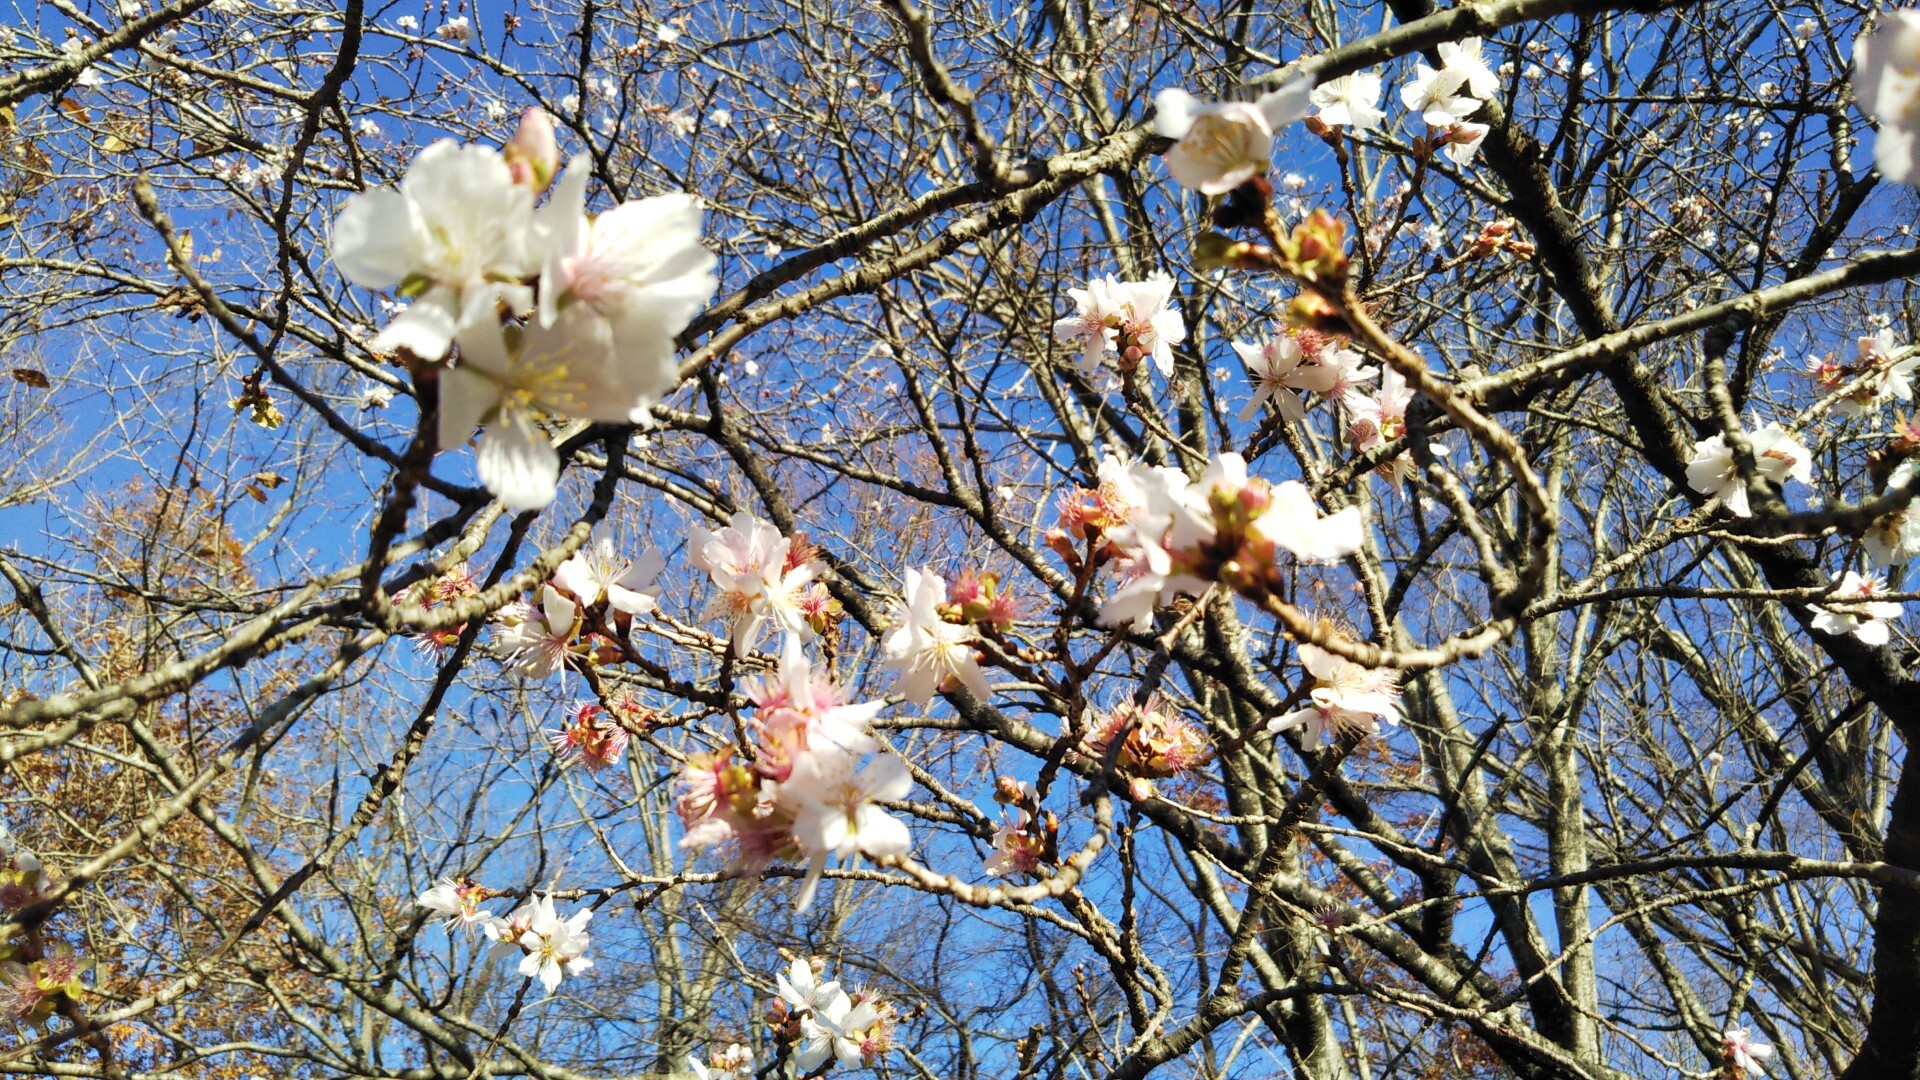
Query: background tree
[1643, 804]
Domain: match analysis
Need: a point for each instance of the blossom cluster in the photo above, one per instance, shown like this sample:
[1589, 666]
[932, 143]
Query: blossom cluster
[799, 789]
[1345, 697]
[1882, 372]
[517, 313]
[1220, 146]
[542, 945]
[1173, 536]
[34, 980]
[823, 1022]
[1145, 742]
[1291, 364]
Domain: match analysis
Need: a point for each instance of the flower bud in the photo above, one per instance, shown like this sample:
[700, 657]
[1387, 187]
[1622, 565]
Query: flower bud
[533, 156]
[1316, 250]
[1311, 311]
[1213, 251]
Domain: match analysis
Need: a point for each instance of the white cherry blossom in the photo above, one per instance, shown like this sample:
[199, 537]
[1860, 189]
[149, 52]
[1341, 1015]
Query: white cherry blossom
[509, 379]
[456, 236]
[1745, 1051]
[1777, 457]
[1350, 101]
[1852, 610]
[599, 572]
[748, 560]
[1886, 82]
[1280, 372]
[1345, 697]
[1435, 94]
[1221, 145]
[927, 650]
[456, 902]
[838, 813]
[639, 265]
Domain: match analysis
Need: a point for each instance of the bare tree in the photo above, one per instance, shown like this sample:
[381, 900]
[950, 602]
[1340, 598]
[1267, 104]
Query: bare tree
[1581, 755]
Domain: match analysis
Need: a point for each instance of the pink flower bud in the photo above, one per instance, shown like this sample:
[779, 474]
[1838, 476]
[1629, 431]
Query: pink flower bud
[533, 155]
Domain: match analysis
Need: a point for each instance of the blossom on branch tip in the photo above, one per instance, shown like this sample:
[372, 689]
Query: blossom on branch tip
[928, 651]
[1463, 142]
[1886, 82]
[1852, 610]
[1435, 95]
[550, 947]
[458, 903]
[1221, 145]
[456, 237]
[532, 156]
[1346, 697]
[838, 815]
[1350, 101]
[1777, 457]
[1381, 417]
[1225, 527]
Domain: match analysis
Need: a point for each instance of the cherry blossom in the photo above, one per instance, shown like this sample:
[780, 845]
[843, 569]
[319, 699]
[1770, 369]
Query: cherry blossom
[1435, 95]
[538, 640]
[1889, 378]
[1133, 319]
[1463, 142]
[550, 947]
[458, 903]
[1895, 537]
[1152, 742]
[1853, 611]
[928, 651]
[1017, 849]
[1225, 527]
[838, 814]
[456, 237]
[510, 378]
[1744, 1051]
[640, 266]
[599, 572]
[1777, 457]
[1280, 370]
[1346, 697]
[1886, 82]
[533, 156]
[23, 880]
[759, 578]
[1223, 145]
[1381, 417]
[1350, 101]
[1350, 372]
[811, 706]
[590, 739]
[1464, 59]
